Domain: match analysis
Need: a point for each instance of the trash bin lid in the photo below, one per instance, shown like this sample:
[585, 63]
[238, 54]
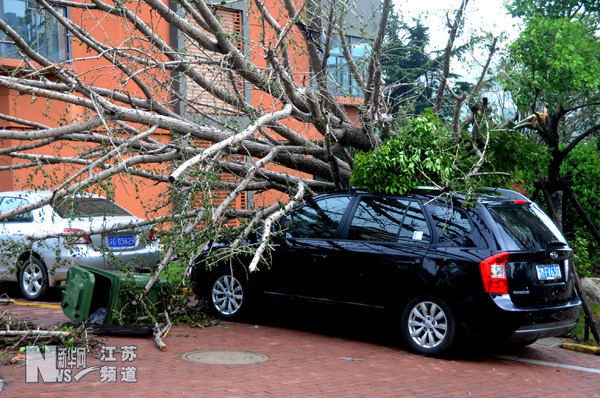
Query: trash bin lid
[77, 297]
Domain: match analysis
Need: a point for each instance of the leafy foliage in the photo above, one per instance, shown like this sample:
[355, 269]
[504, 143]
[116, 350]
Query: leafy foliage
[578, 331]
[406, 64]
[554, 71]
[426, 153]
[581, 256]
[584, 163]
[514, 153]
[552, 9]
[420, 155]
[555, 62]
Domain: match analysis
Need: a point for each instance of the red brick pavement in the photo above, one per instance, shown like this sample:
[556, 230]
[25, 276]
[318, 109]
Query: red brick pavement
[308, 364]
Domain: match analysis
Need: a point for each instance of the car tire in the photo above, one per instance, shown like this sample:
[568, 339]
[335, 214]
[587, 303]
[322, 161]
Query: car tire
[227, 295]
[429, 326]
[33, 279]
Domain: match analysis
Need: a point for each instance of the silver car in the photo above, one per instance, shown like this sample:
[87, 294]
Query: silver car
[44, 261]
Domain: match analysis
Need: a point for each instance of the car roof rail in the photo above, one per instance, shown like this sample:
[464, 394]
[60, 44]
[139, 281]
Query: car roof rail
[507, 193]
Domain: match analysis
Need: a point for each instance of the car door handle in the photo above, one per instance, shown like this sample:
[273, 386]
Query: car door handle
[403, 264]
[318, 257]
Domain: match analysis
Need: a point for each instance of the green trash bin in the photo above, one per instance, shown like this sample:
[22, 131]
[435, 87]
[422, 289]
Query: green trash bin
[90, 291]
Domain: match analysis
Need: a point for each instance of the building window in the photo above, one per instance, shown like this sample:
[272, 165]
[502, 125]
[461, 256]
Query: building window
[341, 80]
[209, 64]
[37, 27]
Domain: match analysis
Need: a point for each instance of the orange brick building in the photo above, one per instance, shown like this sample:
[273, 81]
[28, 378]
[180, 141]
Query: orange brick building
[139, 197]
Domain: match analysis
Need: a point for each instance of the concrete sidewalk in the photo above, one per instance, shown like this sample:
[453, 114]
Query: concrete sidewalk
[306, 361]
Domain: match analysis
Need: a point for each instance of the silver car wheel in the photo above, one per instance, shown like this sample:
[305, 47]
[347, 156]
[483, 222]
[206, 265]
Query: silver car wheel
[34, 279]
[227, 295]
[427, 324]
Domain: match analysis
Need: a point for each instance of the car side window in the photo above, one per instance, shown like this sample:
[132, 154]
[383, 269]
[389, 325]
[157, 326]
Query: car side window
[316, 220]
[9, 203]
[450, 222]
[414, 227]
[377, 219]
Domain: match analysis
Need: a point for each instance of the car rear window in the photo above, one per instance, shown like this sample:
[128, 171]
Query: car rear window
[525, 227]
[89, 207]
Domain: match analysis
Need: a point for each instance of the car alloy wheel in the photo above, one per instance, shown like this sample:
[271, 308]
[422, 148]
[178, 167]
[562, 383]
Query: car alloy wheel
[428, 326]
[33, 279]
[227, 295]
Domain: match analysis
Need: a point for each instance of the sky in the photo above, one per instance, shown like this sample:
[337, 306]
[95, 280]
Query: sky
[480, 16]
[489, 15]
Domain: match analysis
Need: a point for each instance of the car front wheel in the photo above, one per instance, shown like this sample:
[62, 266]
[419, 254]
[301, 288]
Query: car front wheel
[226, 294]
[429, 326]
[33, 279]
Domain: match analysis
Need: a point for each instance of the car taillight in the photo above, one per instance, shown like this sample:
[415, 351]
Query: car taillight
[77, 240]
[493, 273]
[152, 235]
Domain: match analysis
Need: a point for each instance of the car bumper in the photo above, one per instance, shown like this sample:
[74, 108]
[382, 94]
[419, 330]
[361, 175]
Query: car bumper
[552, 320]
[539, 331]
[146, 257]
[504, 322]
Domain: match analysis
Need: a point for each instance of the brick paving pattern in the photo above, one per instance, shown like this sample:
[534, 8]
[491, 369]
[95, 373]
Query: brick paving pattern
[303, 363]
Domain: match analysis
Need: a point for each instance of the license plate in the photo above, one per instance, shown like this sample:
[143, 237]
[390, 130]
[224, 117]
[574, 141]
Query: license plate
[548, 272]
[121, 241]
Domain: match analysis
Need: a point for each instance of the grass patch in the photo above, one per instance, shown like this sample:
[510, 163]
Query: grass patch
[578, 332]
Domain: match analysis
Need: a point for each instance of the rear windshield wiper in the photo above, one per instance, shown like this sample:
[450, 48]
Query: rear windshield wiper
[556, 243]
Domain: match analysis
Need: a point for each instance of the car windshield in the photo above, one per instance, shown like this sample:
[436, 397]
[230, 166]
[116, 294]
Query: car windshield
[525, 227]
[89, 207]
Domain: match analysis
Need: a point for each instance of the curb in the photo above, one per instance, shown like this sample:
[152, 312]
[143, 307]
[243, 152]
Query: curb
[581, 348]
[58, 307]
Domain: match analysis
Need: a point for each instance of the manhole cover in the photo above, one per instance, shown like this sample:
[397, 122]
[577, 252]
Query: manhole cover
[225, 357]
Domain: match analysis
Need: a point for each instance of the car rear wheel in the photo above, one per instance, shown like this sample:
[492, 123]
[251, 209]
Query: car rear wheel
[33, 279]
[226, 295]
[429, 326]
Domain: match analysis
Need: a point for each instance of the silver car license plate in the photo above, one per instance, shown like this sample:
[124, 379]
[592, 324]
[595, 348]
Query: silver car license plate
[548, 272]
[121, 241]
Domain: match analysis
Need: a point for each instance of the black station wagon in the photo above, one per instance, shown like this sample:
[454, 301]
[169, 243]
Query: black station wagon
[494, 270]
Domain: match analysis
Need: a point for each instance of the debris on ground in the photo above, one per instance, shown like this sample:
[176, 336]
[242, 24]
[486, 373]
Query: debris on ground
[161, 332]
[16, 333]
